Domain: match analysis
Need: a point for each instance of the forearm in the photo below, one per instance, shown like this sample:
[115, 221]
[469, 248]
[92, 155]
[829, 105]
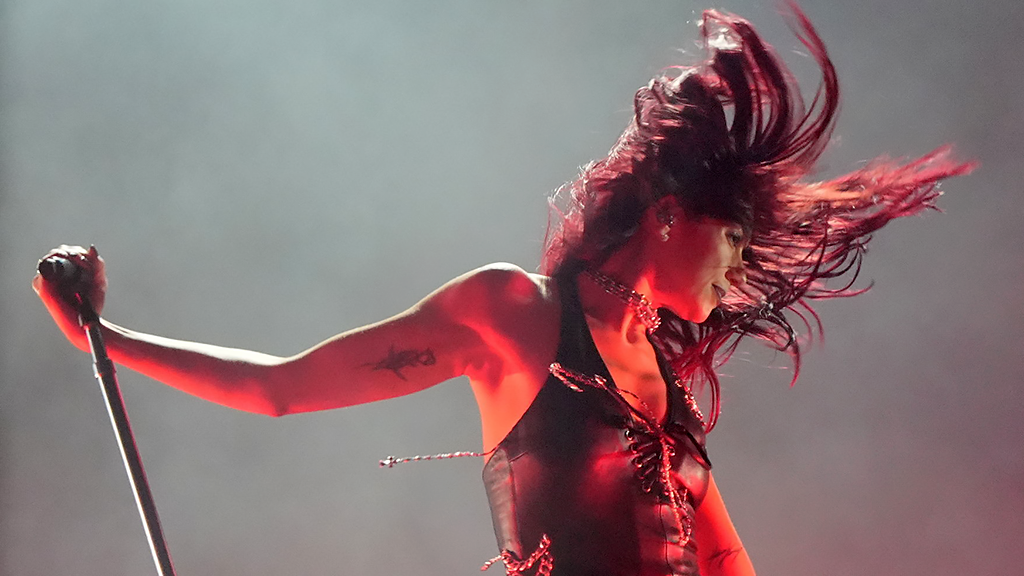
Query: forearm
[228, 376]
[431, 342]
[399, 356]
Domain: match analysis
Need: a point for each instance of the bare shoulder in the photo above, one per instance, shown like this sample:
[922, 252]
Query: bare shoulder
[515, 314]
[507, 278]
[497, 289]
[516, 317]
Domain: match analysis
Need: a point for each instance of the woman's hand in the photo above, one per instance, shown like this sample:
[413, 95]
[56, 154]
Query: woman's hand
[59, 299]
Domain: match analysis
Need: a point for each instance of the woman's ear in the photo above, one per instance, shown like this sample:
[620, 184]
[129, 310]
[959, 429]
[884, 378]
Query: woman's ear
[662, 216]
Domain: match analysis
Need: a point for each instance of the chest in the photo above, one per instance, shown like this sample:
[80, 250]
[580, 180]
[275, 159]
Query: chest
[634, 368]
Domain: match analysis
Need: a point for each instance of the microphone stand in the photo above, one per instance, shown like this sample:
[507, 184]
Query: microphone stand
[104, 370]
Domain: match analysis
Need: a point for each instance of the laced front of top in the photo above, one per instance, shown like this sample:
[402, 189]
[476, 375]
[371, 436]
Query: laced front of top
[586, 484]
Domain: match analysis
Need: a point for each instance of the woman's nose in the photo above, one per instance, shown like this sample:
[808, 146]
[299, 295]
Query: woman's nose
[736, 275]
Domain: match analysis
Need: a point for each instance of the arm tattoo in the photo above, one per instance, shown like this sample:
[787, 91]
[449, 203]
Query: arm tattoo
[398, 360]
[724, 557]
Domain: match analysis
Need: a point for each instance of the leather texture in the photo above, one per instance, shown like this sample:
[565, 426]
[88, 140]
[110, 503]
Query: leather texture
[583, 468]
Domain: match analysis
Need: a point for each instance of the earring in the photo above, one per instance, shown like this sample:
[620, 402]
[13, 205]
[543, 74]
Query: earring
[665, 217]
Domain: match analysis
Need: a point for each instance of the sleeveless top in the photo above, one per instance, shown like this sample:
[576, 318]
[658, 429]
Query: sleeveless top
[586, 485]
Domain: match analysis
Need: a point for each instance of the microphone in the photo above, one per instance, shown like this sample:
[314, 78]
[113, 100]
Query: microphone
[60, 270]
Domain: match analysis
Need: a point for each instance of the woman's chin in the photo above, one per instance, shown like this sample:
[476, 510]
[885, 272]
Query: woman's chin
[695, 315]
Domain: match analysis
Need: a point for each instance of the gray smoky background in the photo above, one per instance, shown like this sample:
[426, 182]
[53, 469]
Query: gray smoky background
[265, 174]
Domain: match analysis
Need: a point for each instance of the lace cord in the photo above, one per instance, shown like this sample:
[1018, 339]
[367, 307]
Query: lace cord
[675, 496]
[575, 380]
[514, 567]
[691, 402]
[392, 461]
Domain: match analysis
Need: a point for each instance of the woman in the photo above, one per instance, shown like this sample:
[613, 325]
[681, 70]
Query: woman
[695, 231]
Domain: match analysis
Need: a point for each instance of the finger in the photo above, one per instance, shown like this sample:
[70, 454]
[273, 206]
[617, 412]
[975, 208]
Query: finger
[68, 250]
[88, 259]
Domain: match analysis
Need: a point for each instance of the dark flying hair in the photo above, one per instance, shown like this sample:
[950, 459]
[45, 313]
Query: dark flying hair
[732, 139]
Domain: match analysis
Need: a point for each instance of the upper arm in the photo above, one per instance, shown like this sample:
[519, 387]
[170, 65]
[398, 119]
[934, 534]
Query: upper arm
[719, 549]
[438, 338]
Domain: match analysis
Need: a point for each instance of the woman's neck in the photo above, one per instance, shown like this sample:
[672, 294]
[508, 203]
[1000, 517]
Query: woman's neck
[609, 307]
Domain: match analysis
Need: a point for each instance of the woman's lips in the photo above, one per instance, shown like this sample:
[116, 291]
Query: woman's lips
[719, 291]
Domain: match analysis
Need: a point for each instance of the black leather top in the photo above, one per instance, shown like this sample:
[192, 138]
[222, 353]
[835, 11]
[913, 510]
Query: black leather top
[583, 468]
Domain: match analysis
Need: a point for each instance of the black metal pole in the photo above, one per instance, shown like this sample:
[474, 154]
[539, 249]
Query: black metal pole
[104, 370]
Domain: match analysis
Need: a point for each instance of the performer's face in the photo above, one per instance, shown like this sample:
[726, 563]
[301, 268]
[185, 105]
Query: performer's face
[701, 261]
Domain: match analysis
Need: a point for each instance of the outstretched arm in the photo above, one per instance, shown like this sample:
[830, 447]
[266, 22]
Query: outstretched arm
[719, 550]
[433, 341]
[401, 355]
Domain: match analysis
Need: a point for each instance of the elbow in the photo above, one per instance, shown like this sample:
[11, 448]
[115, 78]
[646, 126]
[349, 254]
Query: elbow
[256, 403]
[257, 392]
[267, 403]
[272, 410]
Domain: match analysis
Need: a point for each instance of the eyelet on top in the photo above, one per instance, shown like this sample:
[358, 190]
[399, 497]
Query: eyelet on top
[641, 460]
[650, 444]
